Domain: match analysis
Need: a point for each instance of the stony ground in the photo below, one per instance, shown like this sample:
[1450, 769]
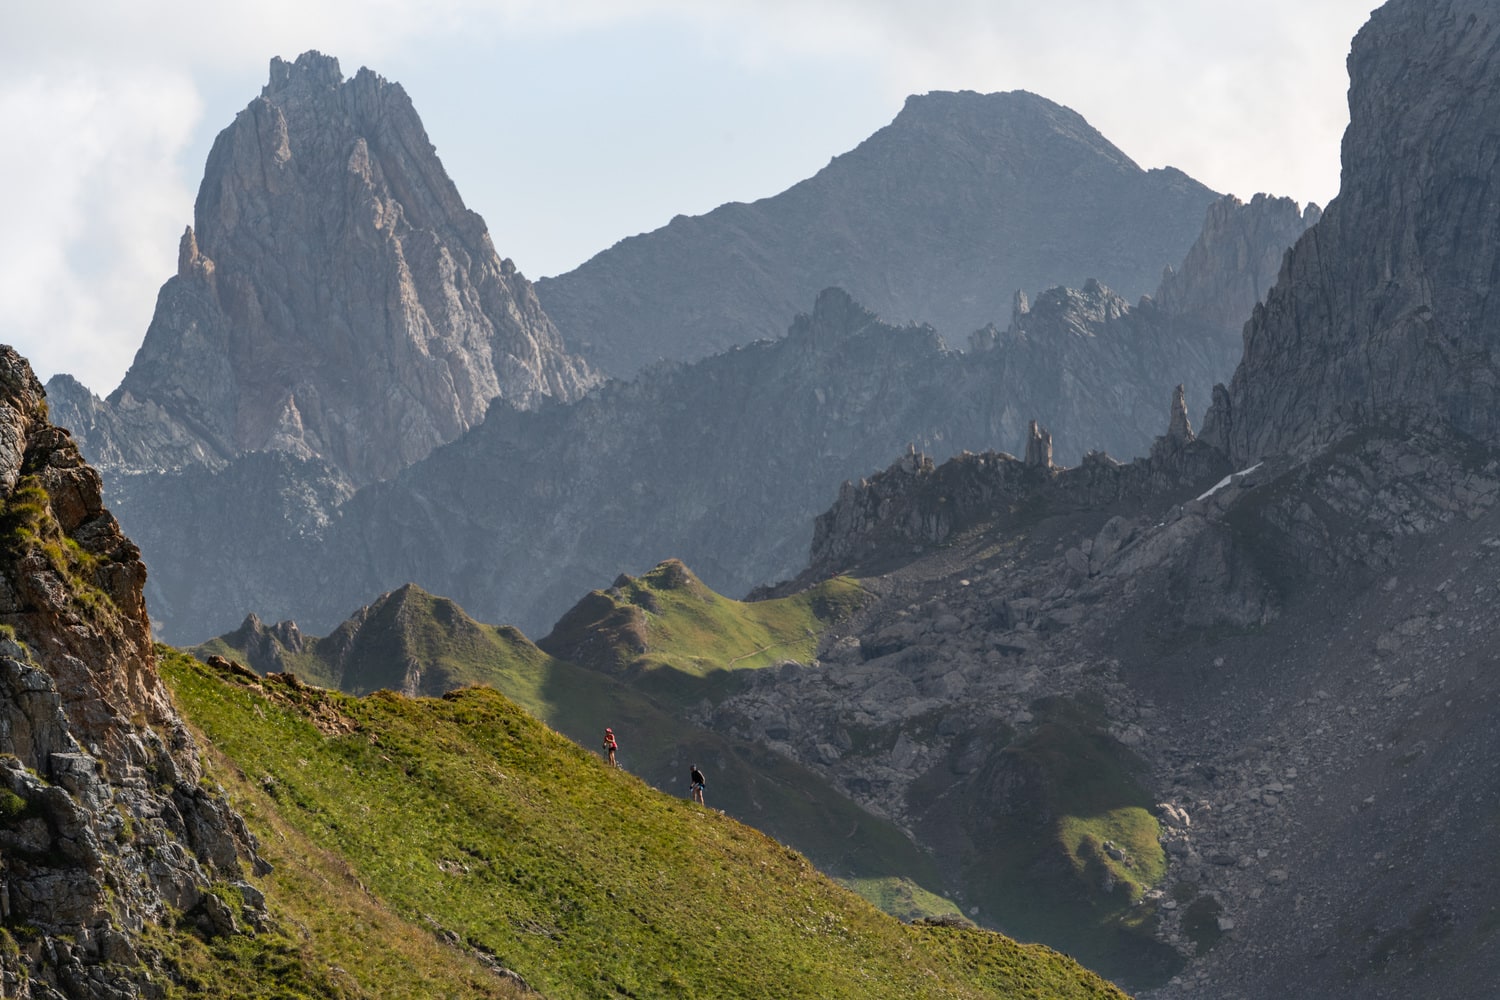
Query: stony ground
[1301, 658]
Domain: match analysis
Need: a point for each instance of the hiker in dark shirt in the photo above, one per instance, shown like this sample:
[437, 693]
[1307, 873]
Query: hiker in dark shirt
[696, 777]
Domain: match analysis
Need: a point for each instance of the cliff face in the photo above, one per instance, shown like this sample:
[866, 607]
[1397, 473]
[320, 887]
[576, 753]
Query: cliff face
[1234, 262]
[333, 299]
[937, 218]
[1384, 310]
[104, 824]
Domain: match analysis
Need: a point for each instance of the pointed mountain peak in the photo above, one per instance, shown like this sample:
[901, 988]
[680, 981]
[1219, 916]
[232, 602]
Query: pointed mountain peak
[1016, 118]
[403, 595]
[334, 297]
[938, 218]
[312, 70]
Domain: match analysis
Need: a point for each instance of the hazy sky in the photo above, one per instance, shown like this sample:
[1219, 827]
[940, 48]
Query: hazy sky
[571, 124]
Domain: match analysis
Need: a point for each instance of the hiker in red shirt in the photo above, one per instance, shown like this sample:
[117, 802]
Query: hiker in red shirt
[610, 746]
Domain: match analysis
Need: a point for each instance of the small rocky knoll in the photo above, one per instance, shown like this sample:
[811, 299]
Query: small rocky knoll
[105, 823]
[334, 299]
[938, 217]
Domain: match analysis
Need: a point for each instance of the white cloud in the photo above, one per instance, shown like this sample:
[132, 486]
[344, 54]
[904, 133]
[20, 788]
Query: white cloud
[97, 205]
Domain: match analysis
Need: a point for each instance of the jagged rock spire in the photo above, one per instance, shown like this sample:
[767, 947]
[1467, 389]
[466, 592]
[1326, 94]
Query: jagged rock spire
[334, 298]
[1038, 447]
[1179, 428]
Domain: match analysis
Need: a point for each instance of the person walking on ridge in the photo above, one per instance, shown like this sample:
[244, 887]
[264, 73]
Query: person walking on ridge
[696, 777]
[610, 747]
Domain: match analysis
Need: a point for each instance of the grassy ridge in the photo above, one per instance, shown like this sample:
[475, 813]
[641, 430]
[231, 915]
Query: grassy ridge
[672, 637]
[696, 631]
[659, 740]
[469, 817]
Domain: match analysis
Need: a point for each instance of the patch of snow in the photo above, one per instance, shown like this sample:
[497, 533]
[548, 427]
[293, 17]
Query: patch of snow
[1229, 479]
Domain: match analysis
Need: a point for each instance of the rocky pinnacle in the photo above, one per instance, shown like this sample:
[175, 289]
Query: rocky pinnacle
[334, 297]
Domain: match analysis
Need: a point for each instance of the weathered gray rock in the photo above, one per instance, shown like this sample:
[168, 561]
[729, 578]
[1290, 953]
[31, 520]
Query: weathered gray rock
[104, 824]
[1383, 311]
[334, 299]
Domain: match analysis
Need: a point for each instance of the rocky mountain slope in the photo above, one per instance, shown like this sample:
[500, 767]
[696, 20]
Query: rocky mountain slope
[1279, 633]
[334, 299]
[111, 842]
[1384, 311]
[712, 462]
[940, 217]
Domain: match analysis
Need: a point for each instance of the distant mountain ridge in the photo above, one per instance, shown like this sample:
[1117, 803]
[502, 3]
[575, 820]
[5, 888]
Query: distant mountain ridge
[940, 217]
[334, 299]
[281, 375]
[723, 463]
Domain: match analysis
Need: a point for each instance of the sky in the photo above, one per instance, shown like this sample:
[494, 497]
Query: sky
[572, 124]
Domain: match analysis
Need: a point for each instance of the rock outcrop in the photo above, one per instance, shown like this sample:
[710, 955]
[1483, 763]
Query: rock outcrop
[1235, 260]
[334, 298]
[1091, 367]
[917, 504]
[105, 823]
[937, 218]
[1384, 311]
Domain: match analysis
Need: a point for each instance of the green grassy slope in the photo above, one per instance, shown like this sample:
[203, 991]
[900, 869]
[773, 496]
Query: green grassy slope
[467, 818]
[659, 740]
[674, 638]
[1055, 834]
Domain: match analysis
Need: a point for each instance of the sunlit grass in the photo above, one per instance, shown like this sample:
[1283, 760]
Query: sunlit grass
[465, 816]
